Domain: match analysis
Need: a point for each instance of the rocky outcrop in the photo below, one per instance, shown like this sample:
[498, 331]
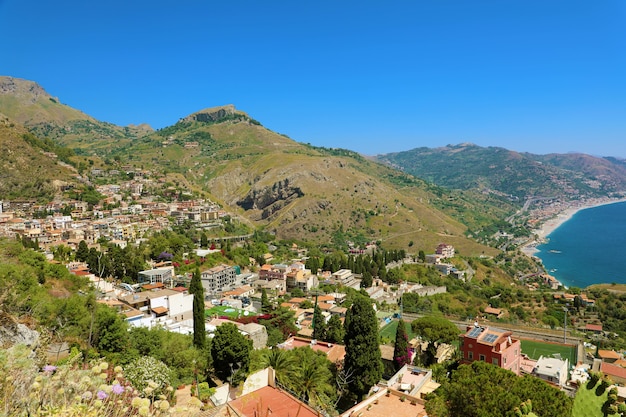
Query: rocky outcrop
[271, 199]
[14, 333]
[212, 115]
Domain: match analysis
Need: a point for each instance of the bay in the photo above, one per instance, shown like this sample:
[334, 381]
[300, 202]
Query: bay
[589, 248]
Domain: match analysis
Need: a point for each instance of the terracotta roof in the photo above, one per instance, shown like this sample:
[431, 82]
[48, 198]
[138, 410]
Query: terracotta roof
[269, 400]
[613, 370]
[159, 310]
[491, 310]
[608, 354]
[594, 327]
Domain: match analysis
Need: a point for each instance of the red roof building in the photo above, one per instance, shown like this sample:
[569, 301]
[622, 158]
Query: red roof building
[491, 345]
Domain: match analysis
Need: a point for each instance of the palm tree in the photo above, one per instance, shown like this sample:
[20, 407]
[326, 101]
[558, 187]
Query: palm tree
[314, 378]
[283, 363]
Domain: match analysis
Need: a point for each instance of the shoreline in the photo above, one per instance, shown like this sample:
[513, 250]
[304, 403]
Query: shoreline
[550, 225]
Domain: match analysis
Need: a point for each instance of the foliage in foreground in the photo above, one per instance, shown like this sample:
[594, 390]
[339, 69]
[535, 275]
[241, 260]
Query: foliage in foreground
[73, 390]
[485, 390]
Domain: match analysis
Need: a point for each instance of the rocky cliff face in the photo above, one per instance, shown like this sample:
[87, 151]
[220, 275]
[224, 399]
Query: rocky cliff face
[14, 333]
[271, 199]
[212, 115]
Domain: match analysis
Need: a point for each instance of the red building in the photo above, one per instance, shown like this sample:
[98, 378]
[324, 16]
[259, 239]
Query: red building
[493, 346]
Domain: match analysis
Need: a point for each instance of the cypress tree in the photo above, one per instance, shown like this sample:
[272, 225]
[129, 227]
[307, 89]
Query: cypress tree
[363, 358]
[319, 325]
[265, 302]
[401, 347]
[199, 330]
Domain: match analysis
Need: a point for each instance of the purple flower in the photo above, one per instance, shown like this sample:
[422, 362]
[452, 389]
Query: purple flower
[49, 368]
[101, 395]
[118, 389]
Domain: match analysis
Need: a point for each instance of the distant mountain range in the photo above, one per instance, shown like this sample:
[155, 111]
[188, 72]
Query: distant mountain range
[292, 189]
[519, 175]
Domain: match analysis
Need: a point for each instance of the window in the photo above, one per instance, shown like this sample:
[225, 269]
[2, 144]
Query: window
[495, 361]
[481, 357]
[470, 355]
[505, 360]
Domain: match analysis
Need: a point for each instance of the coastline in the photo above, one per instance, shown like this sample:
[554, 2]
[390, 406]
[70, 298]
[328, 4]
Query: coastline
[565, 214]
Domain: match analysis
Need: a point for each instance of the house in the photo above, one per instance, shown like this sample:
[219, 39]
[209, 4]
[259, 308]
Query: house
[593, 328]
[491, 345]
[257, 333]
[617, 373]
[159, 306]
[262, 397]
[446, 251]
[552, 370]
[609, 356]
[218, 278]
[402, 396]
[162, 275]
[334, 352]
[301, 279]
[495, 312]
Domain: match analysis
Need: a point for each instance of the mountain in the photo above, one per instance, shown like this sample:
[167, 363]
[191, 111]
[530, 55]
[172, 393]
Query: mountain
[292, 189]
[518, 175]
[27, 103]
[29, 167]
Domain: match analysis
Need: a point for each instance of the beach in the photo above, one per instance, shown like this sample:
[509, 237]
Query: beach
[553, 223]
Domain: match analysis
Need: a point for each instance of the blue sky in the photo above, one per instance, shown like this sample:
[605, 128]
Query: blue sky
[372, 76]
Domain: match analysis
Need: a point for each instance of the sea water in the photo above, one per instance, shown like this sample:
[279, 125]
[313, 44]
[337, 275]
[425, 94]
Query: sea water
[589, 248]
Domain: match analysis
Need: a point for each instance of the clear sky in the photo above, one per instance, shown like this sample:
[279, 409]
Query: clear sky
[372, 76]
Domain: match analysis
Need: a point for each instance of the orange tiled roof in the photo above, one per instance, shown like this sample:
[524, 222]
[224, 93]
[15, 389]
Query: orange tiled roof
[271, 401]
[608, 354]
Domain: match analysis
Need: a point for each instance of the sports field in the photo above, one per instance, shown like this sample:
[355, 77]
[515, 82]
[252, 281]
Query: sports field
[536, 349]
[389, 330]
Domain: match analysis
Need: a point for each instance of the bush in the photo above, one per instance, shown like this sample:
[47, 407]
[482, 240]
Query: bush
[148, 375]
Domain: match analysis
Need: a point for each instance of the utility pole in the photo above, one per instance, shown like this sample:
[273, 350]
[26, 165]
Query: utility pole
[565, 325]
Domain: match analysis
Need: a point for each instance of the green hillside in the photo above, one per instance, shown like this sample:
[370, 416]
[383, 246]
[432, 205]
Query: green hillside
[512, 174]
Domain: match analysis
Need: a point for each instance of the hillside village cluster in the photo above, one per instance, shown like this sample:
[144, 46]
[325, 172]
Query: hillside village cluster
[162, 299]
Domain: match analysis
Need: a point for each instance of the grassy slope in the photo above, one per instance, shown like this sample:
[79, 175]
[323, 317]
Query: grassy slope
[25, 172]
[587, 403]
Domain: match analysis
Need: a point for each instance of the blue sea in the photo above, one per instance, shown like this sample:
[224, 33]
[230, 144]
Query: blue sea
[589, 248]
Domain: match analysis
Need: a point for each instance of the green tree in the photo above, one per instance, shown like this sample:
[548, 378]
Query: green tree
[82, 252]
[315, 383]
[230, 351]
[484, 390]
[334, 330]
[199, 329]
[366, 280]
[435, 330]
[266, 306]
[363, 358]
[422, 256]
[401, 348]
[282, 361]
[319, 324]
[111, 336]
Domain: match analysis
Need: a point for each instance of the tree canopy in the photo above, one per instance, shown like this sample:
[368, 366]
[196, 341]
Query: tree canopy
[199, 328]
[363, 358]
[230, 351]
[485, 390]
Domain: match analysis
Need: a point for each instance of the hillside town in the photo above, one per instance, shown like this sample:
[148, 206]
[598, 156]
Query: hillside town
[160, 298]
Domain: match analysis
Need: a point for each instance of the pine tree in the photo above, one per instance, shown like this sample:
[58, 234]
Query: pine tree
[401, 348]
[199, 330]
[363, 358]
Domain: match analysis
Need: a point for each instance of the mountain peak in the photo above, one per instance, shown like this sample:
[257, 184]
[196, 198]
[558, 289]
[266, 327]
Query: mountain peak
[213, 114]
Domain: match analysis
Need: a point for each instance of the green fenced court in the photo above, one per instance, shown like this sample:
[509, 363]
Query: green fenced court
[389, 330]
[535, 349]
